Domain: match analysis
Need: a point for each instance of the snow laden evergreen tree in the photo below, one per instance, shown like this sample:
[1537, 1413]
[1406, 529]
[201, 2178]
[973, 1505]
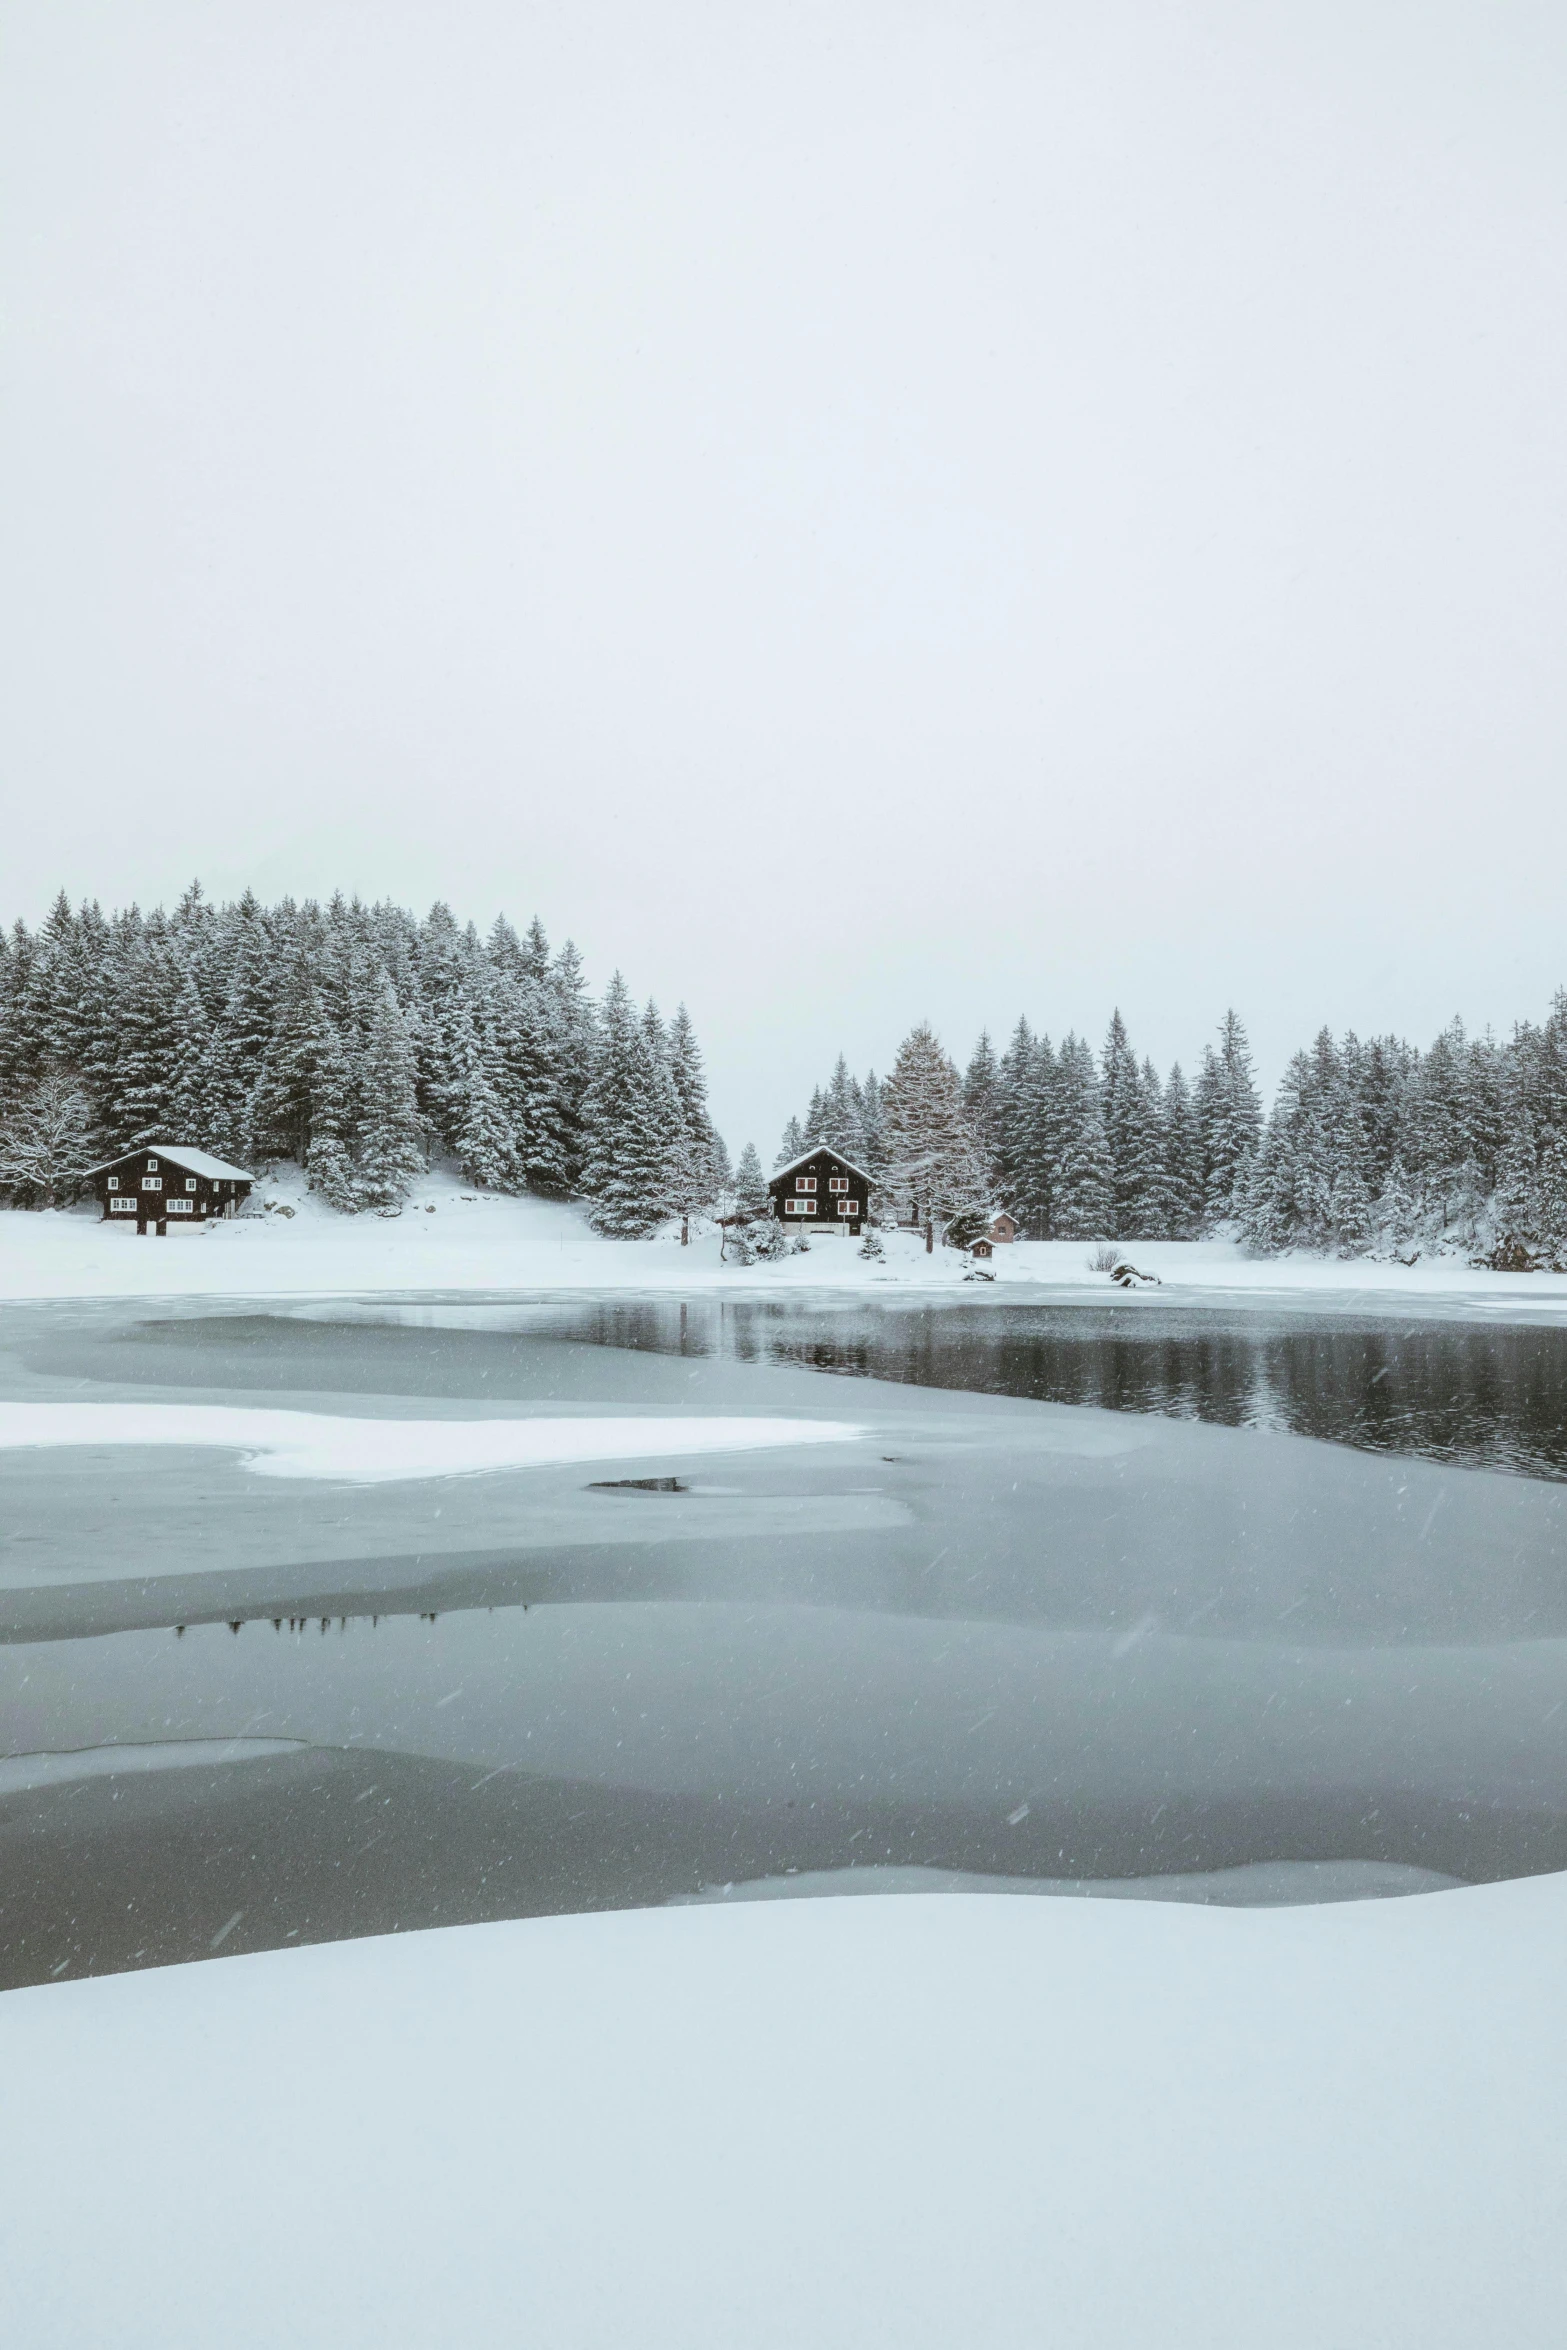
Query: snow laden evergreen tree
[1181, 1184]
[1084, 1198]
[280, 1103]
[46, 1141]
[186, 1101]
[1011, 1163]
[136, 1110]
[868, 1093]
[334, 1120]
[630, 1121]
[237, 1056]
[1229, 1119]
[1130, 1111]
[698, 1165]
[845, 1114]
[934, 1171]
[391, 1130]
[483, 1139]
[981, 1104]
[751, 1197]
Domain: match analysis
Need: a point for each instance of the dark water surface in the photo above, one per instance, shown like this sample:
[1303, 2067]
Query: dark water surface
[1488, 1394]
[990, 1636]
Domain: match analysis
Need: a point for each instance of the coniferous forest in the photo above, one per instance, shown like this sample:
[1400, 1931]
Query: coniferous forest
[1371, 1148]
[355, 1040]
[360, 1041]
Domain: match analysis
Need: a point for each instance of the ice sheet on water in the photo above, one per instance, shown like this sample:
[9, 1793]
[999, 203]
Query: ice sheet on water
[1266, 1884]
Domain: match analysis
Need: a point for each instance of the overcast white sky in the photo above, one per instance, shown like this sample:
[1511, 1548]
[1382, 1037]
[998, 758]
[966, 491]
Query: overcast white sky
[854, 512]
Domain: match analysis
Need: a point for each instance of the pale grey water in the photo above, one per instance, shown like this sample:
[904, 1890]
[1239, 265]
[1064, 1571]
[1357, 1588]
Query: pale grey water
[997, 1637]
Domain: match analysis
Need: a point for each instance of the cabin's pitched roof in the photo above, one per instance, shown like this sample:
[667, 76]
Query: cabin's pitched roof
[190, 1162]
[815, 1151]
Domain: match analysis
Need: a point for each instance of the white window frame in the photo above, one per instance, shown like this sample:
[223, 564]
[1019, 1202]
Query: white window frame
[837, 1182]
[848, 1207]
[152, 1166]
[152, 1183]
[114, 1183]
[190, 1183]
[182, 1207]
[124, 1205]
[805, 1183]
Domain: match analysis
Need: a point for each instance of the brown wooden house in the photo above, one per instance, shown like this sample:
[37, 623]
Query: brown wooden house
[821, 1191]
[165, 1185]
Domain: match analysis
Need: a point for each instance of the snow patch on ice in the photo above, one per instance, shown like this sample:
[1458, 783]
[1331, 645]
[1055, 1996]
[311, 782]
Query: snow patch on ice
[1263, 1884]
[373, 1452]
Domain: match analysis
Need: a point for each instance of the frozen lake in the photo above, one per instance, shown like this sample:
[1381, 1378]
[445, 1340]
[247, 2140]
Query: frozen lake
[1088, 1600]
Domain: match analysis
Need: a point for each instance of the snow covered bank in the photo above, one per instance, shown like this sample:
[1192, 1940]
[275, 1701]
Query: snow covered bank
[912, 2123]
[450, 1240]
[378, 1452]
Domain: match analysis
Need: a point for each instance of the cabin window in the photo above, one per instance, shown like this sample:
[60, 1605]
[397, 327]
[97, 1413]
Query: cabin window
[122, 1207]
[848, 1207]
[180, 1207]
[837, 1182]
[190, 1183]
[152, 1166]
[114, 1183]
[152, 1183]
[805, 1183]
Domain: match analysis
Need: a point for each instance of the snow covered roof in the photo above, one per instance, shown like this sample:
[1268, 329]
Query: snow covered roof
[193, 1162]
[815, 1149]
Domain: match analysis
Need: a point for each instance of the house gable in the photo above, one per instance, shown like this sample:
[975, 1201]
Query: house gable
[821, 1190]
[161, 1185]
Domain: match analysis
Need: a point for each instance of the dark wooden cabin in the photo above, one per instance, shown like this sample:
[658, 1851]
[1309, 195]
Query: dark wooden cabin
[821, 1191]
[167, 1184]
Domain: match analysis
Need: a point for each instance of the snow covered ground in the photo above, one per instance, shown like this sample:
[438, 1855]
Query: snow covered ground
[907, 2122]
[451, 1239]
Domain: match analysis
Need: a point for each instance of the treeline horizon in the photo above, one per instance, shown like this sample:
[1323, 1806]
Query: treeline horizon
[359, 1040]
[1371, 1147]
[354, 1039]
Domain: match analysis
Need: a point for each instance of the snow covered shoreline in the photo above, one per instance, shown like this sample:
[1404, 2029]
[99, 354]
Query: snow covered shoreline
[887, 2121]
[449, 1239]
